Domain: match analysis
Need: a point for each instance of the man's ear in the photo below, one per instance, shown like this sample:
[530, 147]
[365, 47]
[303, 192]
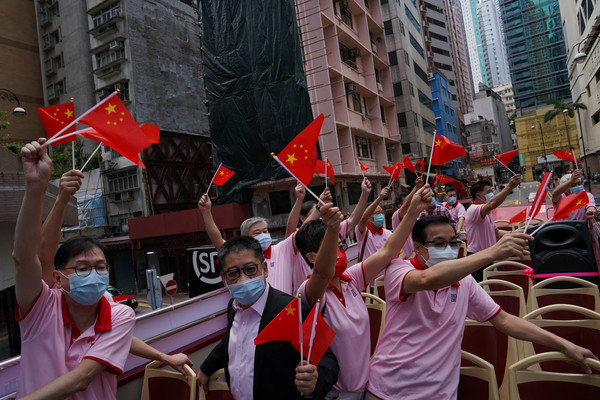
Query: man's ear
[265, 269]
[312, 257]
[57, 278]
[223, 278]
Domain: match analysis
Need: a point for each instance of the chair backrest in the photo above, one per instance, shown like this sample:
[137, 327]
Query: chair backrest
[500, 350]
[376, 310]
[504, 224]
[510, 271]
[163, 384]
[217, 387]
[507, 295]
[477, 378]
[528, 382]
[574, 291]
[462, 251]
[583, 330]
[379, 288]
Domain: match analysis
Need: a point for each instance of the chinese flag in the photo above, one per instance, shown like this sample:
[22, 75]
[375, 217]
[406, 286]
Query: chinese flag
[300, 155]
[112, 121]
[284, 327]
[569, 204]
[363, 167]
[505, 158]
[444, 179]
[152, 132]
[222, 175]
[55, 118]
[564, 155]
[519, 217]
[408, 164]
[394, 170]
[421, 163]
[444, 150]
[323, 336]
[540, 195]
[459, 186]
[321, 168]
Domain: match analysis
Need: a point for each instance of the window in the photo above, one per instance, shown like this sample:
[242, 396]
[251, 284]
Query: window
[388, 152]
[428, 126]
[356, 102]
[382, 112]
[402, 120]
[115, 52]
[393, 58]
[426, 101]
[411, 89]
[406, 148]
[106, 14]
[412, 19]
[363, 147]
[55, 37]
[407, 58]
[346, 15]
[348, 56]
[397, 89]
[416, 119]
[280, 202]
[124, 180]
[387, 27]
[416, 45]
[420, 73]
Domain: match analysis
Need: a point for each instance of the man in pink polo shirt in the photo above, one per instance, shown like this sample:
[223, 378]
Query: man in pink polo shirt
[370, 233]
[427, 299]
[482, 232]
[73, 340]
[457, 211]
[569, 184]
[340, 288]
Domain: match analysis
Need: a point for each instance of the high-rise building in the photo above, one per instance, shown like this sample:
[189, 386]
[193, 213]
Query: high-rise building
[406, 52]
[492, 38]
[474, 43]
[536, 53]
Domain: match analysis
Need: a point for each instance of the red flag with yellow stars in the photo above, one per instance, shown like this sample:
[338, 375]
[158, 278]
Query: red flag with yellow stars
[321, 168]
[394, 170]
[565, 155]
[505, 158]
[519, 217]
[444, 150]
[421, 164]
[55, 118]
[111, 120]
[322, 337]
[408, 164]
[300, 155]
[222, 175]
[363, 167]
[569, 204]
[284, 327]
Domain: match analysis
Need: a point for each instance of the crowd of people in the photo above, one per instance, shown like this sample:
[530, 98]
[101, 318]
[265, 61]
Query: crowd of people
[75, 340]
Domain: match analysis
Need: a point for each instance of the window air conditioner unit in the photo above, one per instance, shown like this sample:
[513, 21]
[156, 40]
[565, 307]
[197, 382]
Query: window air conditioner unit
[379, 86]
[119, 86]
[126, 196]
[115, 44]
[103, 92]
[352, 88]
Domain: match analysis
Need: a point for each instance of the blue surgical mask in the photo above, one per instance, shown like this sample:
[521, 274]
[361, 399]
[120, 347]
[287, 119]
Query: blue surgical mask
[437, 255]
[87, 290]
[379, 220]
[452, 200]
[264, 239]
[247, 291]
[488, 197]
[576, 189]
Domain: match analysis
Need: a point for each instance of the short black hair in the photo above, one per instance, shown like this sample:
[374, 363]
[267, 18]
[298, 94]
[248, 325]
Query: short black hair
[74, 247]
[418, 232]
[306, 207]
[451, 189]
[238, 244]
[478, 187]
[309, 237]
[399, 200]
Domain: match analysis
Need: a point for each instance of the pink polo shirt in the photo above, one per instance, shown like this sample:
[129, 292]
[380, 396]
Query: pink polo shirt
[418, 353]
[51, 345]
[578, 214]
[408, 246]
[347, 315]
[456, 211]
[287, 268]
[241, 347]
[344, 229]
[481, 231]
[375, 241]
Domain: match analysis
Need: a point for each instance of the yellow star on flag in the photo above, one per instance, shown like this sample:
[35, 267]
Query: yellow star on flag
[291, 158]
[438, 142]
[578, 202]
[111, 108]
[290, 310]
[69, 114]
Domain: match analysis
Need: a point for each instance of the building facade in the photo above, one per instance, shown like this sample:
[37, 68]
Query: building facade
[474, 43]
[494, 48]
[488, 104]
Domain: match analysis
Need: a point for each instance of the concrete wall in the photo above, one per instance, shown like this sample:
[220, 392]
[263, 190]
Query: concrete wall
[7, 270]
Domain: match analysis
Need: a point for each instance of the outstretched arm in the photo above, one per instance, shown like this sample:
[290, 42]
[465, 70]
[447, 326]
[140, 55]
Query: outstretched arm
[498, 199]
[560, 189]
[404, 207]
[324, 267]
[371, 209]
[292, 222]
[28, 272]
[449, 272]
[358, 211]
[524, 330]
[175, 361]
[205, 205]
[70, 183]
[373, 265]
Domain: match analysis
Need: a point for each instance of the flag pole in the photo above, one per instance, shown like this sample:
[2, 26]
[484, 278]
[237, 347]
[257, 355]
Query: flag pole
[73, 153]
[213, 178]
[302, 183]
[313, 329]
[90, 157]
[360, 168]
[574, 158]
[325, 172]
[430, 157]
[539, 227]
[535, 205]
[300, 333]
[505, 166]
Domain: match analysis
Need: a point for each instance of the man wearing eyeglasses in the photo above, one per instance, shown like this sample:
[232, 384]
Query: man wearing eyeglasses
[74, 341]
[427, 300]
[269, 370]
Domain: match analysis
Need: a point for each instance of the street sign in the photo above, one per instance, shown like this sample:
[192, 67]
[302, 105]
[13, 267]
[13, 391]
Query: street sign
[171, 287]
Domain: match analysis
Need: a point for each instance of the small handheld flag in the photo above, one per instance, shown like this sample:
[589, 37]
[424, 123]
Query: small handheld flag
[394, 171]
[505, 158]
[566, 206]
[539, 198]
[325, 167]
[55, 118]
[409, 165]
[221, 176]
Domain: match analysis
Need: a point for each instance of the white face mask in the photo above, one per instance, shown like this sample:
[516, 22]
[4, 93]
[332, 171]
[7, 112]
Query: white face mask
[437, 255]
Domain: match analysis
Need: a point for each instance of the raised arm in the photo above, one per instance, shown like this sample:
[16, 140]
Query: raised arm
[28, 272]
[373, 265]
[292, 222]
[325, 197]
[364, 220]
[404, 207]
[358, 211]
[498, 199]
[70, 183]
[563, 187]
[448, 272]
[205, 206]
[175, 361]
[324, 266]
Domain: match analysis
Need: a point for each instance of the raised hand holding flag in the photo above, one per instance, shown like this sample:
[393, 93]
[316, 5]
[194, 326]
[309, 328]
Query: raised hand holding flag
[505, 158]
[55, 118]
[539, 198]
[325, 167]
[566, 206]
[394, 171]
[442, 151]
[284, 326]
[319, 335]
[221, 176]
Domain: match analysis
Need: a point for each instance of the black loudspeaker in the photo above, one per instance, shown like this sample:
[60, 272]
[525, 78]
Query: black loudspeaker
[563, 247]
